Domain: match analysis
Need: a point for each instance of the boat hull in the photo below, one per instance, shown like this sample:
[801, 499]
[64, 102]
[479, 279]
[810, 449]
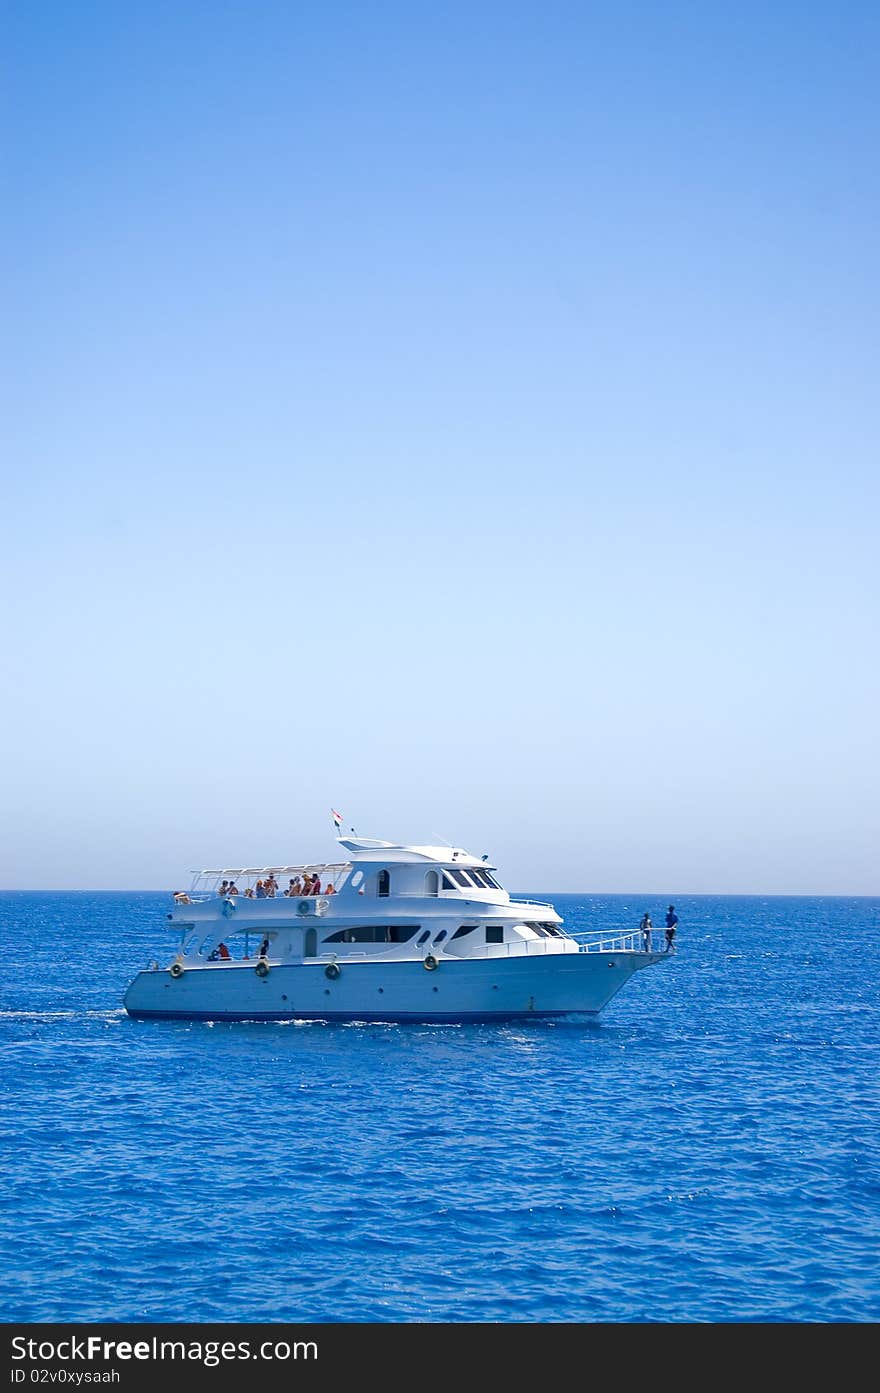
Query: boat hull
[487, 989]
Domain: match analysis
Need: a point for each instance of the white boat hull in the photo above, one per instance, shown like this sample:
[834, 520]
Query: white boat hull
[458, 990]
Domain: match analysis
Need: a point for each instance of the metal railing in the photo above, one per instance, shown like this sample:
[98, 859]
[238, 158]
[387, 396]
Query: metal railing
[628, 942]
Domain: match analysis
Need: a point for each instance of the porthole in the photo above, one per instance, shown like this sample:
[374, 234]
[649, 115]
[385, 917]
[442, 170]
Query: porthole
[357, 878]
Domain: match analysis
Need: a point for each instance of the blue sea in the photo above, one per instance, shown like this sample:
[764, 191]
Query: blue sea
[706, 1151]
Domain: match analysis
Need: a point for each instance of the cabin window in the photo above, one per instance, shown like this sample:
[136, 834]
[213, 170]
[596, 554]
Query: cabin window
[311, 945]
[492, 881]
[383, 883]
[462, 879]
[447, 883]
[494, 934]
[423, 938]
[432, 883]
[465, 929]
[373, 933]
[438, 938]
[343, 936]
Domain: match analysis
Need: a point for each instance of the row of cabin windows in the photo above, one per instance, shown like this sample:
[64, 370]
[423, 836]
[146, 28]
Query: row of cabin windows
[452, 880]
[395, 933]
[383, 933]
[398, 933]
[495, 933]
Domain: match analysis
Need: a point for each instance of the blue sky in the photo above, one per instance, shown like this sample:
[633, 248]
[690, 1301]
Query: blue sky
[464, 416]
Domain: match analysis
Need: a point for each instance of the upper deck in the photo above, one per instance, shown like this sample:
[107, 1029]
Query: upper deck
[378, 876]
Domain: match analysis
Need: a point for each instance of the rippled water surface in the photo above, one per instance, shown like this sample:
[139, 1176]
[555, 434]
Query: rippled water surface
[708, 1151]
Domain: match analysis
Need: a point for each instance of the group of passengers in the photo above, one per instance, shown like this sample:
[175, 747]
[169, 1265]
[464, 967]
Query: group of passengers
[267, 889]
[309, 885]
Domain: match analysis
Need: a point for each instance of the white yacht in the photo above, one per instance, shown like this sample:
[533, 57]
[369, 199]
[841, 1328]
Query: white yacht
[391, 933]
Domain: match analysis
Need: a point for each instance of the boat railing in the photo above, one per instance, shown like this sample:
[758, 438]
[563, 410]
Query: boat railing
[627, 942]
[214, 896]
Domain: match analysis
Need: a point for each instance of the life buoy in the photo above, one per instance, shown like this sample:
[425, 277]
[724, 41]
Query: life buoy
[332, 970]
[430, 963]
[176, 969]
[262, 968]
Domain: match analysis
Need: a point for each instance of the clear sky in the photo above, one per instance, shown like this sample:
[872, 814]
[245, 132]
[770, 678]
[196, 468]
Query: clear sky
[462, 415]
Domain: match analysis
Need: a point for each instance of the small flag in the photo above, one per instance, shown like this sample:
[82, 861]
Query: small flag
[337, 818]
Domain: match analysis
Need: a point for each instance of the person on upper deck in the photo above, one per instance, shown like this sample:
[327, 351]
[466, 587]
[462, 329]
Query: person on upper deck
[223, 953]
[330, 888]
[224, 886]
[316, 886]
[307, 883]
[249, 893]
[233, 888]
[261, 890]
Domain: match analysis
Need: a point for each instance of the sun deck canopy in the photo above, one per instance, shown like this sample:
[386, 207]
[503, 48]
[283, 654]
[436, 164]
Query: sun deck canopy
[243, 872]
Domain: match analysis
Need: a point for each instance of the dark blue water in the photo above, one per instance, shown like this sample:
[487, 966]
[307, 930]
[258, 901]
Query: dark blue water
[708, 1151]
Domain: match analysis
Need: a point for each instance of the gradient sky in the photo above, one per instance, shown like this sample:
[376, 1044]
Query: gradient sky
[465, 416]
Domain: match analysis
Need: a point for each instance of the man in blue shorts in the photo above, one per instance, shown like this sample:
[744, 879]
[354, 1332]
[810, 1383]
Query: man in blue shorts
[671, 922]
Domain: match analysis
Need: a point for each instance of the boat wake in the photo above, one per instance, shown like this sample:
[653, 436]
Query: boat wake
[109, 1016]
